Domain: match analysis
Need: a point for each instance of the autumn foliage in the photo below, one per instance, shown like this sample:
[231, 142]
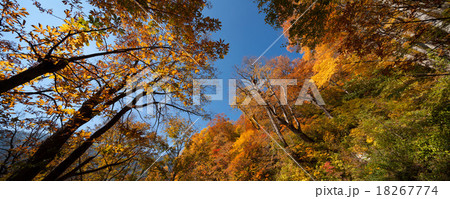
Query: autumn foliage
[73, 95]
[382, 69]
[96, 65]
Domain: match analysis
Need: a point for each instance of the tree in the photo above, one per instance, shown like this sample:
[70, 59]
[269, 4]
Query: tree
[178, 133]
[70, 88]
[380, 67]
[121, 154]
[396, 31]
[207, 155]
[370, 128]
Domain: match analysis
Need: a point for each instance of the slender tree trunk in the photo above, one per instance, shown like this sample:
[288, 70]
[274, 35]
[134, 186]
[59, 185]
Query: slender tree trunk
[48, 150]
[46, 66]
[275, 127]
[30, 74]
[78, 152]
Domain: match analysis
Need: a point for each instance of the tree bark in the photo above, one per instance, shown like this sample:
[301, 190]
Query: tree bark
[47, 66]
[275, 127]
[48, 150]
[21, 78]
[78, 152]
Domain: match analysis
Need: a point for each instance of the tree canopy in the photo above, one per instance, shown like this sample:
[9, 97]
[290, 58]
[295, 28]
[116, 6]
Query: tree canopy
[54, 83]
[105, 92]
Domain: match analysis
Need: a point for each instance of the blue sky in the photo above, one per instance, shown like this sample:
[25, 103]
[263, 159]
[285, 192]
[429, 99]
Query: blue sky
[244, 28]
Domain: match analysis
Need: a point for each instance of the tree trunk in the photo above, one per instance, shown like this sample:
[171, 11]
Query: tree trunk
[275, 127]
[21, 78]
[48, 150]
[78, 152]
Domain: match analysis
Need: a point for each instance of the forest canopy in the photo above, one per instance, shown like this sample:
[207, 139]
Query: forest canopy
[74, 95]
